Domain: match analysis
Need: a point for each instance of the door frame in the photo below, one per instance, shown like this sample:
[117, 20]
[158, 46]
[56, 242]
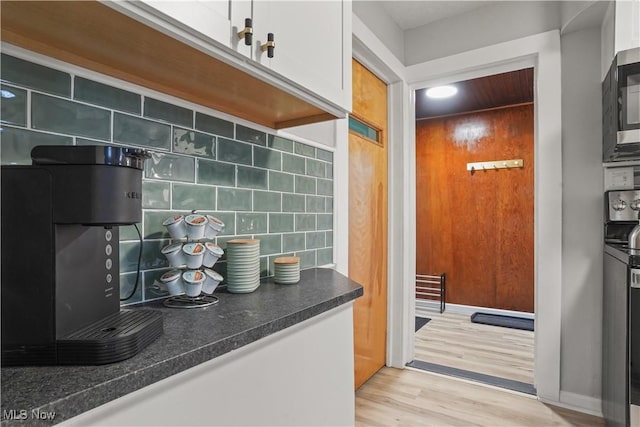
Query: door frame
[540, 51]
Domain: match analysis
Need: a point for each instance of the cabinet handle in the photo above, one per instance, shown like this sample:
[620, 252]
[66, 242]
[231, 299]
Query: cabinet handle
[269, 46]
[247, 33]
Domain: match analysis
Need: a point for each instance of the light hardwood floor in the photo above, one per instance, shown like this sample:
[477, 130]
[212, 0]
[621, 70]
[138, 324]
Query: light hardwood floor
[395, 397]
[452, 340]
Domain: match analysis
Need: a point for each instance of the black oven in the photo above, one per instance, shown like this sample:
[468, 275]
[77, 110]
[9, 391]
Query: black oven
[621, 108]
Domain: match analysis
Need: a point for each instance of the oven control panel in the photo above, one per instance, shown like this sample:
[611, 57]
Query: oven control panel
[622, 205]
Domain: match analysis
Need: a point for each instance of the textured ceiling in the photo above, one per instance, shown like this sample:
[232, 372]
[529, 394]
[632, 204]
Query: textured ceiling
[499, 90]
[411, 14]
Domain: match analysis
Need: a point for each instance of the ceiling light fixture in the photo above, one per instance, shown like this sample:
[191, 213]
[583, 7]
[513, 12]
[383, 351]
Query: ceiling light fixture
[441, 91]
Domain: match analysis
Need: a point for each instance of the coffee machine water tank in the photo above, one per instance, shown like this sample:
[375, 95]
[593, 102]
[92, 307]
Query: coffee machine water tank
[60, 219]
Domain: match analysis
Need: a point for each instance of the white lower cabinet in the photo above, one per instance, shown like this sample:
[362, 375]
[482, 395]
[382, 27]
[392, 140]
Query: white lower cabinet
[300, 376]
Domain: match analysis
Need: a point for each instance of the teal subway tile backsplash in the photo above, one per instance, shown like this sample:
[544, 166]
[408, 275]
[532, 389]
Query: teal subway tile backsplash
[267, 201]
[72, 118]
[153, 228]
[229, 219]
[315, 240]
[156, 195]
[305, 222]
[34, 76]
[217, 173]
[280, 181]
[195, 143]
[106, 96]
[188, 197]
[16, 144]
[127, 284]
[214, 125]
[292, 163]
[141, 132]
[252, 178]
[325, 187]
[315, 204]
[307, 258]
[266, 158]
[151, 256]
[293, 242]
[305, 185]
[253, 136]
[170, 167]
[270, 243]
[325, 256]
[280, 143]
[260, 185]
[304, 149]
[325, 155]
[234, 151]
[315, 168]
[151, 284]
[325, 221]
[234, 199]
[293, 203]
[128, 232]
[279, 223]
[329, 204]
[13, 107]
[160, 110]
[251, 223]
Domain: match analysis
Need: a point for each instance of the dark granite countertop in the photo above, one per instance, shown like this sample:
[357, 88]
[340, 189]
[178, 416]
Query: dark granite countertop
[190, 337]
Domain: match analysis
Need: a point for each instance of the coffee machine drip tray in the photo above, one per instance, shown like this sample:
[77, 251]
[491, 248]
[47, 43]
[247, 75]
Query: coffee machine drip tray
[111, 339]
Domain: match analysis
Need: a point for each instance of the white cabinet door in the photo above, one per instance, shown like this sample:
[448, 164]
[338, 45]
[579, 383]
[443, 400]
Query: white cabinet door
[241, 10]
[310, 43]
[206, 17]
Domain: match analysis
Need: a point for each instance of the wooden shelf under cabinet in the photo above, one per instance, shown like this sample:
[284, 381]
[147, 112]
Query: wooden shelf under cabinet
[94, 36]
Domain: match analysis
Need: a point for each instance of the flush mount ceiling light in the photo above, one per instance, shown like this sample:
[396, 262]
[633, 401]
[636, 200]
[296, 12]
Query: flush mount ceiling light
[441, 91]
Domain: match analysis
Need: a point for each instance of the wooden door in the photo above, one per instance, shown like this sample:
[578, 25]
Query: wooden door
[477, 227]
[368, 219]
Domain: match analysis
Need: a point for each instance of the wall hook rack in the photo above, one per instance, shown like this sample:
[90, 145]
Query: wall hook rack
[495, 164]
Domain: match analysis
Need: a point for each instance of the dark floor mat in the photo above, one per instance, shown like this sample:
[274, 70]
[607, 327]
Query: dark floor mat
[504, 321]
[421, 321]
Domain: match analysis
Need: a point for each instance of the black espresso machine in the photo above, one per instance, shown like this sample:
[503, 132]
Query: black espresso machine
[60, 257]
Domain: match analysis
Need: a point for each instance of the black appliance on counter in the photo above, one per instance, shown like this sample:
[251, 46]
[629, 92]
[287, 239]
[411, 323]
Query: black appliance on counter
[60, 257]
[621, 312]
[621, 108]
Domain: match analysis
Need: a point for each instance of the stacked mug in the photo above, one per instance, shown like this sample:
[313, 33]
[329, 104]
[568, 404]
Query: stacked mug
[193, 255]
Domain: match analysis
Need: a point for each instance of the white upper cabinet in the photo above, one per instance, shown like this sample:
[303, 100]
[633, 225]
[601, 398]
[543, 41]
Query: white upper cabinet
[207, 17]
[312, 53]
[309, 43]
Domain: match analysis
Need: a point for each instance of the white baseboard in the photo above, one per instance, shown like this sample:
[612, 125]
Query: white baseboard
[426, 308]
[577, 402]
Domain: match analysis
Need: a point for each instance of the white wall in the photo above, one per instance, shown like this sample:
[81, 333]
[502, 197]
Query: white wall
[582, 217]
[606, 41]
[386, 30]
[495, 23]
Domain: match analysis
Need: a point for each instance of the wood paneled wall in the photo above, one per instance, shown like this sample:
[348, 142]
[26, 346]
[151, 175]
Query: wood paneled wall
[477, 227]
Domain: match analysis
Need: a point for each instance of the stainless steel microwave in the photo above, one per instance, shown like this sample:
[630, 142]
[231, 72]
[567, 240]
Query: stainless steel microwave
[621, 108]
